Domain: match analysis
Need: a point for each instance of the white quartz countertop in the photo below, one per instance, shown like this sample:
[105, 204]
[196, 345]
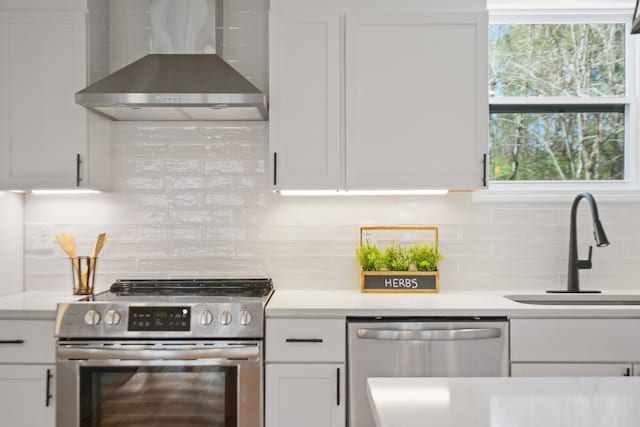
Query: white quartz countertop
[299, 303]
[505, 402]
[33, 304]
[340, 304]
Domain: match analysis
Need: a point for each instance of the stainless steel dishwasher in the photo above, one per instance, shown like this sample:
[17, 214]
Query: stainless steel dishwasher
[421, 347]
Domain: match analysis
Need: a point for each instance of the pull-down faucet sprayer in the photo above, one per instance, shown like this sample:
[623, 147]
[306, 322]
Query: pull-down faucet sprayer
[575, 264]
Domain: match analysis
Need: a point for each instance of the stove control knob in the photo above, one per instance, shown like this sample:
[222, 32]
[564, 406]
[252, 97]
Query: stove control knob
[225, 317]
[245, 317]
[92, 318]
[112, 318]
[206, 317]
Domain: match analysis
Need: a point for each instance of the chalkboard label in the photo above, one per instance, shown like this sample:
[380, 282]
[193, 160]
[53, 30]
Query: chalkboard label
[405, 282]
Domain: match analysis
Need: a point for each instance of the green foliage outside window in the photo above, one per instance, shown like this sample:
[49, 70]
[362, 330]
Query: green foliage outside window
[536, 141]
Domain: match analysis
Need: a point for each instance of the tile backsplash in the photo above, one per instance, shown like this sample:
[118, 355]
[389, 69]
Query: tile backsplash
[193, 199]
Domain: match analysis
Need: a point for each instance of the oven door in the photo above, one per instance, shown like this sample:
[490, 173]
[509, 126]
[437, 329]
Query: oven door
[214, 384]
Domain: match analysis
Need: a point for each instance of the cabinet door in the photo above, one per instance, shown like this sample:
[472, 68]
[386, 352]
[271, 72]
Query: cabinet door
[304, 117]
[570, 369]
[416, 101]
[574, 340]
[310, 395]
[42, 129]
[24, 401]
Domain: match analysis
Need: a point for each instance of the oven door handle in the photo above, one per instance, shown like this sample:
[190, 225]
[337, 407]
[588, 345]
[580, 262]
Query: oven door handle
[429, 334]
[145, 353]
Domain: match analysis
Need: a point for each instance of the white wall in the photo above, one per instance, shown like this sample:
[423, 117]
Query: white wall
[11, 242]
[193, 199]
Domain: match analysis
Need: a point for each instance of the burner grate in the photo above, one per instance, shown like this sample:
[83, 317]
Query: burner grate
[193, 287]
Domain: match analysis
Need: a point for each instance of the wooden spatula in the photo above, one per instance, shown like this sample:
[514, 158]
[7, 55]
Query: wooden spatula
[67, 244]
[99, 244]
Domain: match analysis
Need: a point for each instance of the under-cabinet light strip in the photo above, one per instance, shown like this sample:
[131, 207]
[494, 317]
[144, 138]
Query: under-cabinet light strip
[362, 192]
[69, 191]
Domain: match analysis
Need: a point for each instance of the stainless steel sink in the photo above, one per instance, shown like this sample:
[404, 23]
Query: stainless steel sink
[573, 299]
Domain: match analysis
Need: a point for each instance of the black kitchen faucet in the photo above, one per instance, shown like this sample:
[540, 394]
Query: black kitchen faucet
[575, 264]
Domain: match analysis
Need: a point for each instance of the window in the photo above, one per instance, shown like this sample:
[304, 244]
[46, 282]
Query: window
[560, 102]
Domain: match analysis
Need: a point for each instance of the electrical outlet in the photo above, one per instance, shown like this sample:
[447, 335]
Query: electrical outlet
[39, 240]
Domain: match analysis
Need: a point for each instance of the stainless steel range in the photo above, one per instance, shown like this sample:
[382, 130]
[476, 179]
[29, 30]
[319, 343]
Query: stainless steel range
[163, 352]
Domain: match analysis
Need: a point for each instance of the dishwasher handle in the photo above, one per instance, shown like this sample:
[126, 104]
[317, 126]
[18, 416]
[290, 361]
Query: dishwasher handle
[428, 334]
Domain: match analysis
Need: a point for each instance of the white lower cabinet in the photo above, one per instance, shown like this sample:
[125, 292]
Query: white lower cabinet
[574, 347]
[27, 373]
[26, 395]
[571, 370]
[305, 373]
[310, 395]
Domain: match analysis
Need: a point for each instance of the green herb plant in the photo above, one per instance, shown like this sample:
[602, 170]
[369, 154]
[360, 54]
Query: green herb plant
[396, 258]
[424, 257]
[370, 257]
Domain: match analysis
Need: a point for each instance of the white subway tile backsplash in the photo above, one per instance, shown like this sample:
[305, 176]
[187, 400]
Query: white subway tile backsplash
[153, 201]
[191, 249]
[235, 233]
[224, 200]
[199, 183]
[217, 216]
[249, 167]
[194, 199]
[169, 268]
[170, 232]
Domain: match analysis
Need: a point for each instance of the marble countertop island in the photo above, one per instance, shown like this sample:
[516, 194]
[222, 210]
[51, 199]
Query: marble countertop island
[505, 402]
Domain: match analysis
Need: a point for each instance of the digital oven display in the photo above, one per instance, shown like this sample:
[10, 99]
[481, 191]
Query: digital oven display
[158, 319]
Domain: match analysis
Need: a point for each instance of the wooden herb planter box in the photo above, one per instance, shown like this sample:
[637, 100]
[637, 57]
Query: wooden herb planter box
[400, 281]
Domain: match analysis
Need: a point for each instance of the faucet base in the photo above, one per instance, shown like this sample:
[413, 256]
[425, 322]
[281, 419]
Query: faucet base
[573, 292]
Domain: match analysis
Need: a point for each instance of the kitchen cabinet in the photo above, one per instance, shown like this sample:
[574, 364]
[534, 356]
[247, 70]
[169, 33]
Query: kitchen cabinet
[378, 98]
[304, 114]
[570, 369]
[27, 373]
[305, 373]
[309, 395]
[574, 347]
[47, 141]
[24, 401]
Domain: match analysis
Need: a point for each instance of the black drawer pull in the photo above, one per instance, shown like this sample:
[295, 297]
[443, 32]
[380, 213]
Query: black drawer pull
[11, 341]
[484, 170]
[275, 168]
[338, 386]
[49, 396]
[304, 340]
[78, 162]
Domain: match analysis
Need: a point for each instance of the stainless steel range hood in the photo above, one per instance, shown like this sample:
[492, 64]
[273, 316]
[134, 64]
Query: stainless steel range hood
[181, 85]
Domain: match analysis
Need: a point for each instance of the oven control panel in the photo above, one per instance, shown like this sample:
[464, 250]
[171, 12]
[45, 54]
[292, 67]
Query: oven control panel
[229, 319]
[158, 319]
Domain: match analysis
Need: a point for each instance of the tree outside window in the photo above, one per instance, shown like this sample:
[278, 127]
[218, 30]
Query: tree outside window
[558, 109]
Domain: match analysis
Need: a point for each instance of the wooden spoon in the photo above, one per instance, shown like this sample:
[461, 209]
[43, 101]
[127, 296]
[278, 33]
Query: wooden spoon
[66, 242]
[99, 244]
[97, 247]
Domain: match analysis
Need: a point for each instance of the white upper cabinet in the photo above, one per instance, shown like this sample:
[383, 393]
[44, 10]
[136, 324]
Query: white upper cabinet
[304, 61]
[46, 139]
[416, 98]
[386, 95]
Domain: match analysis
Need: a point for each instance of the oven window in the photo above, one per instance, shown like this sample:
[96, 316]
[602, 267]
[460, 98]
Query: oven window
[158, 396]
